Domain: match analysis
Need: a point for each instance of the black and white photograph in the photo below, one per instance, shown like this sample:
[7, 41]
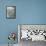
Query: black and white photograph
[31, 34]
[11, 12]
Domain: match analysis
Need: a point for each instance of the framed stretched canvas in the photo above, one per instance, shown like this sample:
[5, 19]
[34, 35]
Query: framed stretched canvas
[32, 32]
[11, 12]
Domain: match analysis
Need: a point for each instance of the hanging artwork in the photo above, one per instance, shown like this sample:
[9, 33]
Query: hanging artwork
[32, 32]
[11, 12]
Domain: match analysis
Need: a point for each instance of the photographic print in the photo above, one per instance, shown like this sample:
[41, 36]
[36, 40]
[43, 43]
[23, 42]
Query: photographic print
[29, 34]
[11, 12]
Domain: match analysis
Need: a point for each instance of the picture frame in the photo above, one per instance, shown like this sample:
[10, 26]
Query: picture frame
[39, 28]
[10, 12]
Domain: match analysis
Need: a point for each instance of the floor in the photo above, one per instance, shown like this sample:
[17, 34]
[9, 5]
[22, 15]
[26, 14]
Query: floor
[30, 43]
[7, 45]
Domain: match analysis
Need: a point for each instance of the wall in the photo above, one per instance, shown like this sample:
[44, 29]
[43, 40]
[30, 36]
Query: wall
[27, 12]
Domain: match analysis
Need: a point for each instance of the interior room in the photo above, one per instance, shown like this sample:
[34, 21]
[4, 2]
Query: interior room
[17, 12]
